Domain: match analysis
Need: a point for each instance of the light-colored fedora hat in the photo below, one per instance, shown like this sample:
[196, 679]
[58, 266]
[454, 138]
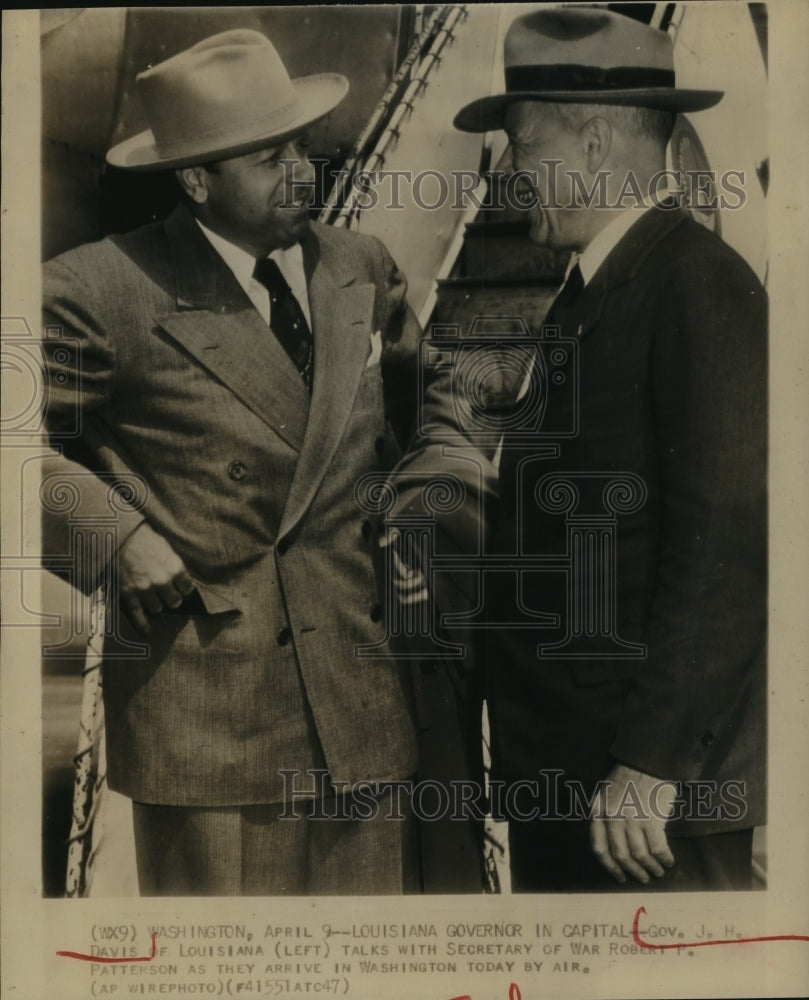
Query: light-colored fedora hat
[225, 96]
[587, 56]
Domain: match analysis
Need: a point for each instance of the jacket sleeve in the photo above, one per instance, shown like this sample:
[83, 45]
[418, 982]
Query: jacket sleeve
[441, 459]
[79, 362]
[401, 335]
[706, 627]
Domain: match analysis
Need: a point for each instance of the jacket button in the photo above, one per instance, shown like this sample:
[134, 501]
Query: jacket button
[376, 612]
[379, 445]
[428, 666]
[237, 471]
[367, 530]
[283, 635]
[707, 739]
[282, 546]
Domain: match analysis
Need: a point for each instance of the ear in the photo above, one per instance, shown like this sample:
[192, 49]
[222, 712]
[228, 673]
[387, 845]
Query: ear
[194, 182]
[596, 136]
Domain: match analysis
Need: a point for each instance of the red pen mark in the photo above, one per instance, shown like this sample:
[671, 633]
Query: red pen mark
[513, 994]
[112, 961]
[702, 944]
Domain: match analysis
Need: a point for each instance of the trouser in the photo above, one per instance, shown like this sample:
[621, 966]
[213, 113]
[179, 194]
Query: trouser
[555, 856]
[313, 848]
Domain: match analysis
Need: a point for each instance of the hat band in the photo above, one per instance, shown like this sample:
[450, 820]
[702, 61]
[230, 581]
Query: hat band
[571, 76]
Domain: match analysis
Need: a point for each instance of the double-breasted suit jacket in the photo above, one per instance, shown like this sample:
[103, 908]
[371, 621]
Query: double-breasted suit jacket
[179, 382]
[670, 402]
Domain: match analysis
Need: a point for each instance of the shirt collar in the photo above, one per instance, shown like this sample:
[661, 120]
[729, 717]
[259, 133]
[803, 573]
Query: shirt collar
[238, 260]
[242, 264]
[599, 248]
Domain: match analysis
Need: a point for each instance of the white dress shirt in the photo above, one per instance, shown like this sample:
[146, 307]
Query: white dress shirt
[241, 263]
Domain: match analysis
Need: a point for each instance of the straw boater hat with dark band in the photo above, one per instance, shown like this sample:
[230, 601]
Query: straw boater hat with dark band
[228, 95]
[585, 56]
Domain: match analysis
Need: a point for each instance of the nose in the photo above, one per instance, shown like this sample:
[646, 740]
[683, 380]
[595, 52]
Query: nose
[300, 170]
[505, 164]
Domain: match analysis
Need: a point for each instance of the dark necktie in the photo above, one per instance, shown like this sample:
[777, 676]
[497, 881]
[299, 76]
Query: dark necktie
[567, 296]
[557, 315]
[287, 320]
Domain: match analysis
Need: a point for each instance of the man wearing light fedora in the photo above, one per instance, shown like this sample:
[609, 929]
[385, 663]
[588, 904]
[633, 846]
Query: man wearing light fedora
[245, 368]
[647, 696]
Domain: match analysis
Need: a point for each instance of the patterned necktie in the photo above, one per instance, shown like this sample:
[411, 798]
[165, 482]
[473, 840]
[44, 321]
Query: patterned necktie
[287, 320]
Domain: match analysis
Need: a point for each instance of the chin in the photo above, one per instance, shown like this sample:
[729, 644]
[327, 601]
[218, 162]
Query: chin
[540, 234]
[552, 239]
[299, 228]
[294, 234]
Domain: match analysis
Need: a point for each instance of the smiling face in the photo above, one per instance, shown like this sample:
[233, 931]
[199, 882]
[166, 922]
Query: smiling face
[260, 201]
[545, 149]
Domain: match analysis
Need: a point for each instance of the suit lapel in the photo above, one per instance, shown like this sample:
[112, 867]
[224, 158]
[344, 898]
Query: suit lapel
[342, 315]
[621, 265]
[218, 325]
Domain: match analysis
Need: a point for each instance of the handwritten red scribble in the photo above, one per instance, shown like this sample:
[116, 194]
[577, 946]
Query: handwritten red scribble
[98, 960]
[513, 994]
[703, 944]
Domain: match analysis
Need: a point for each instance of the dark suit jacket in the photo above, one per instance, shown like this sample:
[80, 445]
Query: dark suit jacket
[672, 384]
[185, 395]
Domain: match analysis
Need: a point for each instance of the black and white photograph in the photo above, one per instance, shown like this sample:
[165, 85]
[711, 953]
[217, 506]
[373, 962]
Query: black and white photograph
[404, 468]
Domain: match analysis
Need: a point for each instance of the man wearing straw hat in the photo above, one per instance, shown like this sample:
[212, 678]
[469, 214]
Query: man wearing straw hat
[247, 369]
[647, 699]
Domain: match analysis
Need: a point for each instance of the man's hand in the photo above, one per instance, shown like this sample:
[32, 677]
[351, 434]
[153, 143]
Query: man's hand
[411, 587]
[152, 576]
[628, 828]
